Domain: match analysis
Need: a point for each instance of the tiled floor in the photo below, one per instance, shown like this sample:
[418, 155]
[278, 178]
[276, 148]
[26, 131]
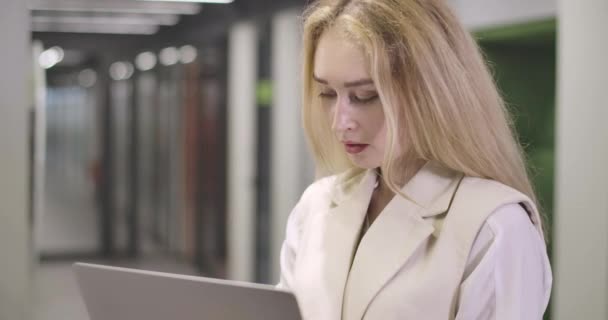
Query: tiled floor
[56, 294]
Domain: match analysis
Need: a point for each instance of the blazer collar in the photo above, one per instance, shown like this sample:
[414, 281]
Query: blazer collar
[432, 187]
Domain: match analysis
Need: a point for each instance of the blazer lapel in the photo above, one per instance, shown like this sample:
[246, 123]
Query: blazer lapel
[395, 235]
[330, 248]
[386, 246]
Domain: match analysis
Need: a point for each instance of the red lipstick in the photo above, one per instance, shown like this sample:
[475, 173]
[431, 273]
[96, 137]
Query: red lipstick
[354, 148]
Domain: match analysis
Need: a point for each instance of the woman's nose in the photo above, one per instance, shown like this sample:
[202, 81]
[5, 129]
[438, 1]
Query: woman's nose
[343, 118]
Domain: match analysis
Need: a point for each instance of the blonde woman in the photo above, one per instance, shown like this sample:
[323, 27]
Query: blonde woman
[425, 210]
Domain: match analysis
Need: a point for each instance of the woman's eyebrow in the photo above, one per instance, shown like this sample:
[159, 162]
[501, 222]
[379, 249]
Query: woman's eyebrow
[350, 84]
[357, 83]
[317, 79]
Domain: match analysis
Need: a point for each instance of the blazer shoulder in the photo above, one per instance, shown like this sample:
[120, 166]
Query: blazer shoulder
[321, 188]
[334, 187]
[316, 193]
[492, 194]
[492, 189]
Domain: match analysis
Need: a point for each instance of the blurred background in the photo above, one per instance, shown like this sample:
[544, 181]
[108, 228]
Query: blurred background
[166, 136]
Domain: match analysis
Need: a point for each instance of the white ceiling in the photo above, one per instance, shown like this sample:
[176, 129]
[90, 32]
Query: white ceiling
[107, 16]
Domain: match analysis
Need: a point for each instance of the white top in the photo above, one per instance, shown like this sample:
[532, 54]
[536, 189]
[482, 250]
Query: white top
[508, 275]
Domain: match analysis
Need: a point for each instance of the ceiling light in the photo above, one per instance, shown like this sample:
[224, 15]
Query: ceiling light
[188, 54]
[87, 78]
[145, 61]
[162, 19]
[121, 70]
[169, 56]
[196, 1]
[50, 57]
[123, 20]
[116, 6]
[95, 28]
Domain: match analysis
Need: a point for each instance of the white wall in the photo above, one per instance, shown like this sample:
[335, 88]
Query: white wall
[478, 14]
[581, 205]
[242, 140]
[292, 168]
[15, 234]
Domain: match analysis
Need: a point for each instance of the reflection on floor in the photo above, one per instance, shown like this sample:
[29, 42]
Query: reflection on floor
[56, 295]
[69, 221]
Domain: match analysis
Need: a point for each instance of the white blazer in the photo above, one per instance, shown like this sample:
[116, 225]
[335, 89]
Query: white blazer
[464, 248]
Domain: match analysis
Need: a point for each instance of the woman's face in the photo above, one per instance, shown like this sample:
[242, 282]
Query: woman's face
[350, 99]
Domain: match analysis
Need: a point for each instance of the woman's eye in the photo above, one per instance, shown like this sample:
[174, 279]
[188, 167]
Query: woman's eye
[327, 94]
[363, 99]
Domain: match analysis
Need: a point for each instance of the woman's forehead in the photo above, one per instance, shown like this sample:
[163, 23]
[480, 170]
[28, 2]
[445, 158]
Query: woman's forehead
[338, 59]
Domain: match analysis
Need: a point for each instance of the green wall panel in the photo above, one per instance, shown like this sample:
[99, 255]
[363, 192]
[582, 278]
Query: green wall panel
[523, 61]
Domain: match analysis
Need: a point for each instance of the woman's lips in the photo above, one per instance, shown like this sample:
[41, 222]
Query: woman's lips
[354, 148]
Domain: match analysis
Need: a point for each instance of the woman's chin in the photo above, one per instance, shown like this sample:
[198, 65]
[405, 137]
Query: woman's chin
[363, 164]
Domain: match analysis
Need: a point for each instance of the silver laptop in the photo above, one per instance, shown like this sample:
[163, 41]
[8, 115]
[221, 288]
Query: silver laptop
[112, 293]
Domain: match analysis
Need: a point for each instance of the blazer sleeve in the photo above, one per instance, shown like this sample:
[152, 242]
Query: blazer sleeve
[508, 275]
[290, 245]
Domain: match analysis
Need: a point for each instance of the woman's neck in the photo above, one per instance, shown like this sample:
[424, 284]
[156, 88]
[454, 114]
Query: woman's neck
[407, 174]
[383, 194]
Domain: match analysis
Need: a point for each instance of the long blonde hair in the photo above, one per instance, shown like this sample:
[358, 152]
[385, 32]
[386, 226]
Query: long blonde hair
[437, 93]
